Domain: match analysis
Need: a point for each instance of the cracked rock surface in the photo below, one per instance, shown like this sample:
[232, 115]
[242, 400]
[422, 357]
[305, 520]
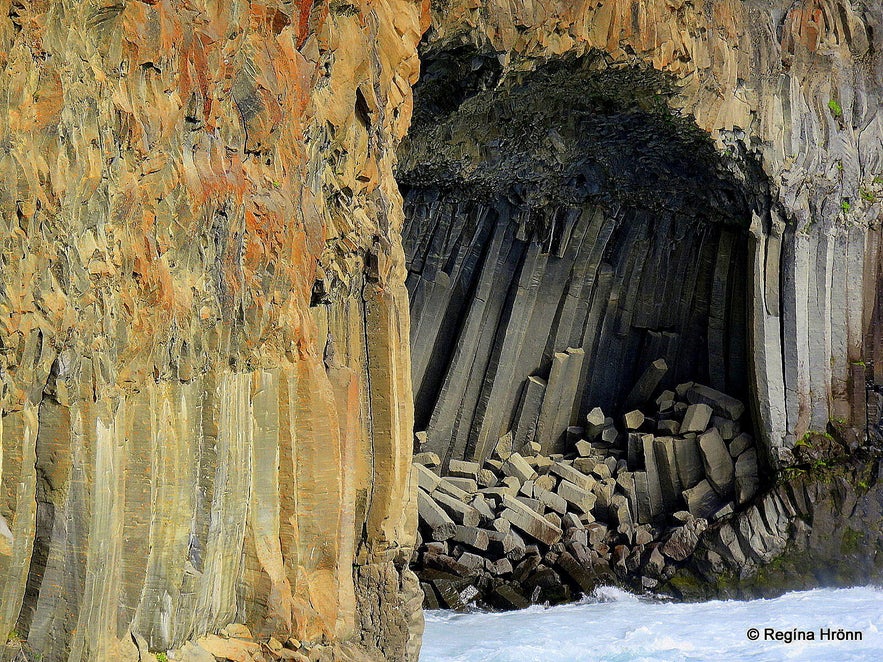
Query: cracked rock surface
[204, 381]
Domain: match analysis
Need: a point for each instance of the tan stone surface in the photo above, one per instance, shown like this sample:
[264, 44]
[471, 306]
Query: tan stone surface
[186, 440]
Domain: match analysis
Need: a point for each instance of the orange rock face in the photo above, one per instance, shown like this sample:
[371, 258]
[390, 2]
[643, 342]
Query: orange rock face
[205, 389]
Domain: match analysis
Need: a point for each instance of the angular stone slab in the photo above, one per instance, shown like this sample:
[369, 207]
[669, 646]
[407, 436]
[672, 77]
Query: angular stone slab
[717, 462]
[648, 508]
[487, 478]
[509, 596]
[558, 411]
[449, 595]
[531, 403]
[741, 444]
[463, 469]
[633, 420]
[747, 479]
[665, 401]
[458, 511]
[689, 461]
[504, 446]
[533, 504]
[500, 567]
[447, 487]
[426, 479]
[696, 418]
[427, 459]
[626, 482]
[583, 448]
[481, 505]
[546, 482]
[620, 511]
[728, 429]
[572, 521]
[635, 451]
[472, 536]
[668, 427]
[603, 492]
[567, 472]
[435, 518]
[518, 467]
[600, 472]
[681, 389]
[530, 522]
[721, 403]
[575, 495]
[501, 542]
[669, 480]
[551, 500]
[702, 500]
[653, 478]
[646, 384]
[468, 485]
[510, 485]
[582, 576]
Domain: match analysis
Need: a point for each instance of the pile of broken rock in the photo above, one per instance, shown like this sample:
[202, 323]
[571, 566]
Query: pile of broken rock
[235, 642]
[625, 506]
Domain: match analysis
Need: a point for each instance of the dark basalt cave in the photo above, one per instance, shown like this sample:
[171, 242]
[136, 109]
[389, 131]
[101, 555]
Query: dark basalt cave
[578, 250]
[565, 207]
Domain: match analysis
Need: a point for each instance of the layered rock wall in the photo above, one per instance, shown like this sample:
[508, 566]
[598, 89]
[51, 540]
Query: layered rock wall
[206, 412]
[206, 396]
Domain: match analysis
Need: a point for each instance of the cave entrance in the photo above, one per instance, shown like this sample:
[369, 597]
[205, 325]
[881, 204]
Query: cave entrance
[564, 230]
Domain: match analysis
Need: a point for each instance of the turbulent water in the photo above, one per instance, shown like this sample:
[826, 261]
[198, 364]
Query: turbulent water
[617, 626]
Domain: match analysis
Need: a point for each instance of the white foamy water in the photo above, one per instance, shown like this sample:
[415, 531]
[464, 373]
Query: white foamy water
[616, 626]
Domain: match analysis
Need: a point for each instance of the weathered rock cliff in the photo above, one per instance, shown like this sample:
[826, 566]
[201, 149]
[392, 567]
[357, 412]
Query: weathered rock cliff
[593, 186]
[188, 438]
[206, 378]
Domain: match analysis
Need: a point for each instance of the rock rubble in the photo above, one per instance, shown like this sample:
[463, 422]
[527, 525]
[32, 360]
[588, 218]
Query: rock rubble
[620, 504]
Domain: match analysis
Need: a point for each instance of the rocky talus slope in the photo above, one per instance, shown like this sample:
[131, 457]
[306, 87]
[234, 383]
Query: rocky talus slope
[206, 409]
[622, 507]
[672, 502]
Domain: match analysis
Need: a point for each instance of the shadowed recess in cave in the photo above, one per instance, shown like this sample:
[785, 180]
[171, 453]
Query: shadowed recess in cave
[564, 230]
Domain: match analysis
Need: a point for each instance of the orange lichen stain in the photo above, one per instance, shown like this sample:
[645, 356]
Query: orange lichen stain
[170, 28]
[267, 18]
[232, 168]
[805, 27]
[194, 75]
[48, 101]
[727, 21]
[303, 21]
[425, 15]
[149, 271]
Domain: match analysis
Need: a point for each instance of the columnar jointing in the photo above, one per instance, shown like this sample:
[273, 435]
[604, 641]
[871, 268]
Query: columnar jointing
[564, 231]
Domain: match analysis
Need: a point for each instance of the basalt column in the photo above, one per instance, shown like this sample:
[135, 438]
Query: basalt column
[580, 174]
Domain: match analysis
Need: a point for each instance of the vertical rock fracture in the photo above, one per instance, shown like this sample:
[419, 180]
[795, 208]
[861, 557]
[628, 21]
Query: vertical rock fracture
[206, 400]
